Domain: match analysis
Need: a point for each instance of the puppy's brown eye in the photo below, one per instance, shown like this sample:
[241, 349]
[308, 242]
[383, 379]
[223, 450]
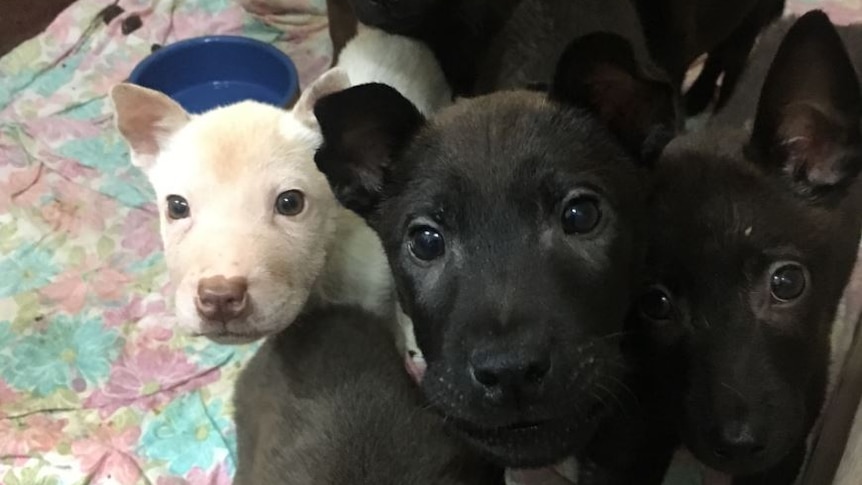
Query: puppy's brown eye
[787, 282]
[426, 243]
[290, 203]
[656, 305]
[178, 207]
[581, 215]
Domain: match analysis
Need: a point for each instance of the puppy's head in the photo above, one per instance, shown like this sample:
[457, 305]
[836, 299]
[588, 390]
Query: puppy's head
[511, 222]
[754, 241]
[246, 217]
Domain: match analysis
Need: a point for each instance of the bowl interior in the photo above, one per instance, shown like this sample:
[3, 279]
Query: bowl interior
[207, 72]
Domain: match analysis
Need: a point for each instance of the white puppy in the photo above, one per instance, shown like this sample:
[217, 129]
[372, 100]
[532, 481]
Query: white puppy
[251, 230]
[250, 227]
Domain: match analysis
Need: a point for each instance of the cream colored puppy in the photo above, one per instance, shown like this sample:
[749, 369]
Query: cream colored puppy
[251, 229]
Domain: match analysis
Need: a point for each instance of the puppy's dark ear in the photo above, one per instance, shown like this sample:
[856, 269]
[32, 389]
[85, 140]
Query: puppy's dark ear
[599, 72]
[363, 129]
[807, 124]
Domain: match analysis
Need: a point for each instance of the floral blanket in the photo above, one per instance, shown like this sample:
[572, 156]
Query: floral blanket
[95, 385]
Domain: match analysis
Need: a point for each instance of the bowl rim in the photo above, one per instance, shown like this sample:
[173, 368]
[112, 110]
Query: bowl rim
[167, 50]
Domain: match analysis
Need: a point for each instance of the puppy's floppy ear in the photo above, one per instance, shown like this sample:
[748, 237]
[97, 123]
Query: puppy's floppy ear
[600, 73]
[363, 128]
[331, 81]
[146, 119]
[807, 124]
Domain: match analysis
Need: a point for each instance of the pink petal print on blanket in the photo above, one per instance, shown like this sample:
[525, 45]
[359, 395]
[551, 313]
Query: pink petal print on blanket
[34, 434]
[134, 311]
[150, 378]
[68, 292]
[194, 23]
[110, 284]
[77, 209]
[217, 476]
[56, 130]
[23, 187]
[108, 453]
[141, 231]
[7, 395]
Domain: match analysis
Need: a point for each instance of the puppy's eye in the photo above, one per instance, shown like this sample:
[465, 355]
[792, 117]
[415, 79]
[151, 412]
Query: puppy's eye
[656, 305]
[581, 215]
[426, 243]
[290, 203]
[178, 207]
[787, 282]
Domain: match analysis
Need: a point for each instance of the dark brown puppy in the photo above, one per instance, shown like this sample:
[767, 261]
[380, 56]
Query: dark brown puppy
[327, 402]
[742, 105]
[756, 235]
[513, 226]
[678, 31]
[342, 25]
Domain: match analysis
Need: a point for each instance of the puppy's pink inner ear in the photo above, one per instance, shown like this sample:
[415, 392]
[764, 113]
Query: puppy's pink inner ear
[812, 144]
[145, 118]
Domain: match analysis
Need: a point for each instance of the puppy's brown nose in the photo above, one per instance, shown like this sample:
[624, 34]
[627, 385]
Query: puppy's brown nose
[221, 298]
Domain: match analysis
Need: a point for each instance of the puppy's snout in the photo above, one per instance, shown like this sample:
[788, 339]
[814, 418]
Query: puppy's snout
[221, 298]
[737, 440]
[503, 375]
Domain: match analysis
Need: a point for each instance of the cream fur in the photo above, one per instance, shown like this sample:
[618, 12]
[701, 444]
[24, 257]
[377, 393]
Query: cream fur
[405, 64]
[230, 164]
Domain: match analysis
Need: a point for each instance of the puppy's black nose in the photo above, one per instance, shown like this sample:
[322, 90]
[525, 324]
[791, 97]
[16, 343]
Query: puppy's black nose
[503, 374]
[736, 440]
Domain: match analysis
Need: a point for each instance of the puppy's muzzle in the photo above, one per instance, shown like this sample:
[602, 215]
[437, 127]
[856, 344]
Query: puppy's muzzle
[222, 299]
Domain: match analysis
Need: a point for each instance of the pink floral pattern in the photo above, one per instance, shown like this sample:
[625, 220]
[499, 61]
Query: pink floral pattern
[96, 386]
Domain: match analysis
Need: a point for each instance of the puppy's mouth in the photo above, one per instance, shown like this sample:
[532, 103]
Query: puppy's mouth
[224, 336]
[529, 443]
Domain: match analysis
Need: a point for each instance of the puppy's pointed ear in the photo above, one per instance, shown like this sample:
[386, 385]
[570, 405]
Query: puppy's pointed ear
[807, 124]
[364, 128]
[600, 73]
[146, 119]
[331, 81]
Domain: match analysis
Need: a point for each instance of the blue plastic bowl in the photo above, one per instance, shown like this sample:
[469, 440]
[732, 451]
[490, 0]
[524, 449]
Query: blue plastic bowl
[202, 73]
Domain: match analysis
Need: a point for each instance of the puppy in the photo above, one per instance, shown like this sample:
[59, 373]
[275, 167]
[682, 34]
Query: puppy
[528, 46]
[282, 240]
[679, 31]
[512, 223]
[756, 234]
[251, 230]
[327, 402]
[459, 32]
[743, 102]
[397, 61]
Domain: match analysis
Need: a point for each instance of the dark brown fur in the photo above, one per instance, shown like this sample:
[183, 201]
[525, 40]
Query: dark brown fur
[732, 208]
[328, 402]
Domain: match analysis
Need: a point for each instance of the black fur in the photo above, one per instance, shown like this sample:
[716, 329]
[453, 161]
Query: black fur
[730, 208]
[327, 402]
[512, 295]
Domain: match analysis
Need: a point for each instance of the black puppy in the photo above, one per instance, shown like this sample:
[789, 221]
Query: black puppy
[742, 105]
[513, 224]
[756, 235]
[488, 45]
[678, 31]
[327, 402]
